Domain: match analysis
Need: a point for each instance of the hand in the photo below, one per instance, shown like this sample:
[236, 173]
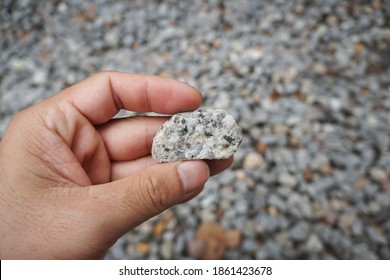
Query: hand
[72, 180]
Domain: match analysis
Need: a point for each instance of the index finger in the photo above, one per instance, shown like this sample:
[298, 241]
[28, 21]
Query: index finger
[101, 96]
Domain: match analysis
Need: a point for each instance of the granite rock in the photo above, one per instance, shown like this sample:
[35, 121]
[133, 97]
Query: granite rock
[202, 134]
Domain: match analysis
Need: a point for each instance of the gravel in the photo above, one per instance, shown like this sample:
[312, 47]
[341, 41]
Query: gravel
[307, 81]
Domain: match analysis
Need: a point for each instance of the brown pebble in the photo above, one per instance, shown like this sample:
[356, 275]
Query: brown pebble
[386, 186]
[361, 183]
[275, 96]
[273, 211]
[261, 148]
[214, 237]
[219, 213]
[143, 248]
[377, 4]
[293, 142]
[161, 224]
[359, 47]
[308, 174]
[233, 238]
[159, 228]
[325, 169]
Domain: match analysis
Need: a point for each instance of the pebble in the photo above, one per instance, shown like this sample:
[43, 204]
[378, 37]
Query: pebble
[266, 224]
[207, 215]
[40, 77]
[384, 252]
[357, 228]
[143, 248]
[233, 238]
[183, 210]
[241, 207]
[300, 232]
[249, 228]
[362, 252]
[253, 160]
[227, 177]
[214, 237]
[208, 201]
[376, 236]
[166, 250]
[117, 250]
[313, 244]
[196, 249]
[112, 39]
[378, 174]
[179, 245]
[346, 221]
[272, 250]
[277, 201]
[287, 180]
[336, 240]
[249, 245]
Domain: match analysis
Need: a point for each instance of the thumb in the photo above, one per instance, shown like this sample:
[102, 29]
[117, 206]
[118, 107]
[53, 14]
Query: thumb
[130, 201]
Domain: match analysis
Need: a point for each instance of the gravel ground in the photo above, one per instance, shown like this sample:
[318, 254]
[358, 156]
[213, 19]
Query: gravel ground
[308, 82]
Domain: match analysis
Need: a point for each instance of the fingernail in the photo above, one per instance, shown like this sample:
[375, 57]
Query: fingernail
[193, 174]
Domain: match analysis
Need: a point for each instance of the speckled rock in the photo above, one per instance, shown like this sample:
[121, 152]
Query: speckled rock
[202, 134]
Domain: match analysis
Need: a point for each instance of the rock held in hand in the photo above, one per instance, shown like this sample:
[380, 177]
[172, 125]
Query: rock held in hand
[202, 134]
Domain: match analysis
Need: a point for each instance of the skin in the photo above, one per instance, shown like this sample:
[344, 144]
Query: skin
[72, 180]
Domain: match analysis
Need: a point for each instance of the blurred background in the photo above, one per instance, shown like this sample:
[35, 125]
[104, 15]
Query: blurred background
[308, 82]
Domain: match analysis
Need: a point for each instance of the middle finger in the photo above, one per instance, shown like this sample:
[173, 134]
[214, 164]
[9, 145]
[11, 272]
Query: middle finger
[130, 138]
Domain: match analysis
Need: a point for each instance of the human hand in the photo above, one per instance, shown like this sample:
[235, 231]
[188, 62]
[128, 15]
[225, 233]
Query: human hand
[72, 180]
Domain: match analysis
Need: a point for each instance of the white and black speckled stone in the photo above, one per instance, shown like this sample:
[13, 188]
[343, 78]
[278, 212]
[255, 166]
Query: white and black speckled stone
[202, 134]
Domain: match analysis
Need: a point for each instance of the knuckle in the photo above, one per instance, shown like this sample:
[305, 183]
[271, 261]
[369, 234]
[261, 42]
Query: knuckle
[155, 192]
[106, 73]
